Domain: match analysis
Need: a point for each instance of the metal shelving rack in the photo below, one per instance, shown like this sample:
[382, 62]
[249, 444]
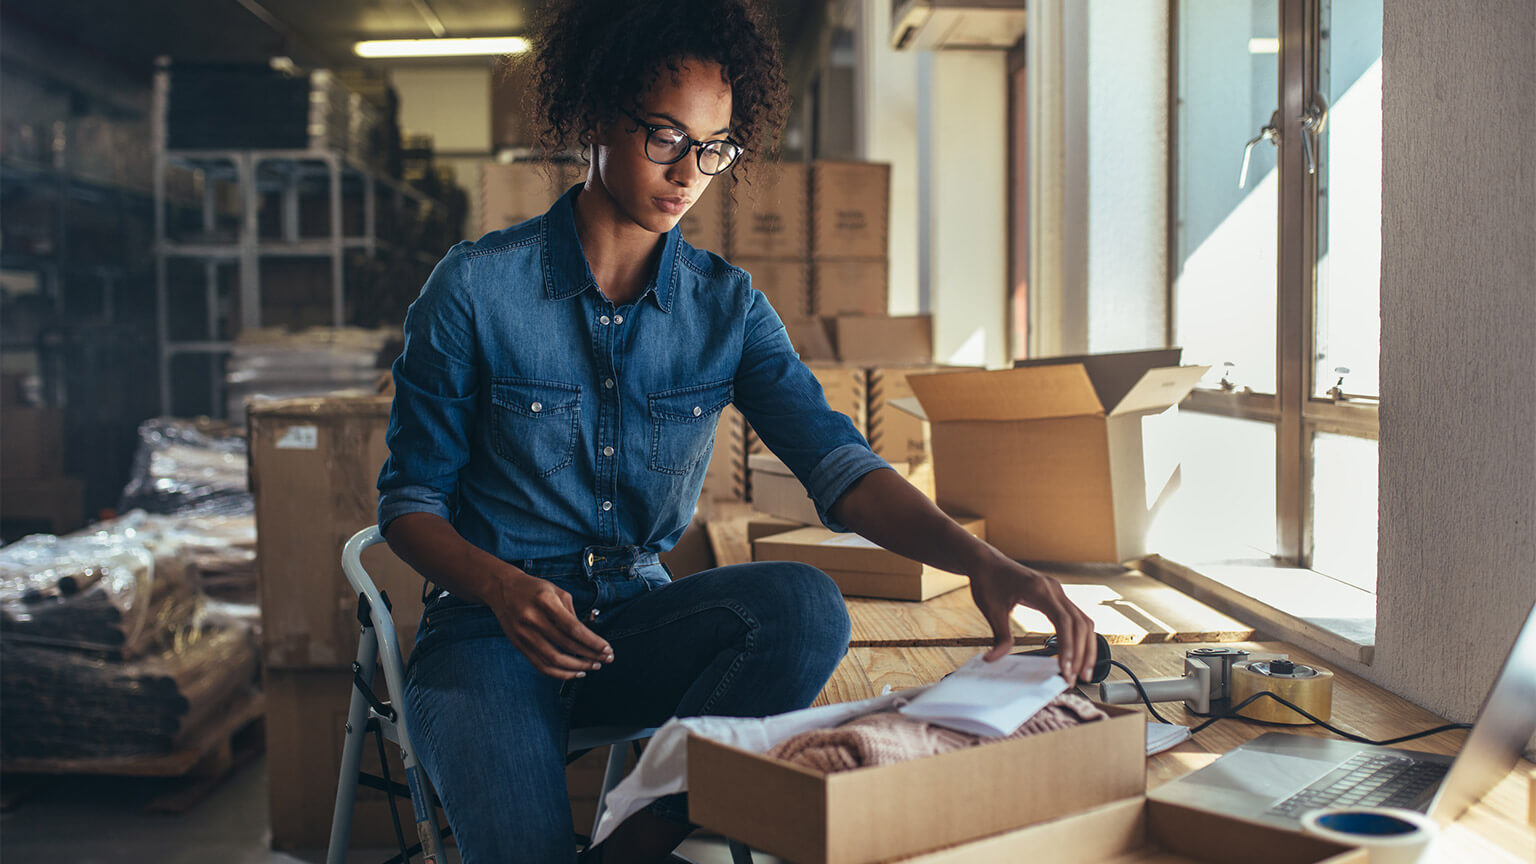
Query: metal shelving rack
[254, 173]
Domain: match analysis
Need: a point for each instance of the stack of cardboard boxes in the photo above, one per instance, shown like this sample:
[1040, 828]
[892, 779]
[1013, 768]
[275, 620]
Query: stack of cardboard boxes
[512, 192]
[33, 485]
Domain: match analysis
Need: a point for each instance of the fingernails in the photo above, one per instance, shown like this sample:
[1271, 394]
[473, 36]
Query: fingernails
[581, 674]
[596, 666]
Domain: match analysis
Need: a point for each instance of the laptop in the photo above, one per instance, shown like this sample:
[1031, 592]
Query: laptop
[1277, 777]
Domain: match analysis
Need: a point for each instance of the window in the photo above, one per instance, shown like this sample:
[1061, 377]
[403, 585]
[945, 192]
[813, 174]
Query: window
[1275, 249]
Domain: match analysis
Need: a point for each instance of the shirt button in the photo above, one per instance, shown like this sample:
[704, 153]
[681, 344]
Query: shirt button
[607, 505]
[697, 411]
[604, 319]
[618, 319]
[536, 407]
[607, 451]
[608, 383]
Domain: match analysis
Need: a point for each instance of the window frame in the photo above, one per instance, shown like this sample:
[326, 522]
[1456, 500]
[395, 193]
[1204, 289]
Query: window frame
[1296, 413]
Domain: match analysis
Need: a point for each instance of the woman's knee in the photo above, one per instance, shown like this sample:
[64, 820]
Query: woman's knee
[803, 598]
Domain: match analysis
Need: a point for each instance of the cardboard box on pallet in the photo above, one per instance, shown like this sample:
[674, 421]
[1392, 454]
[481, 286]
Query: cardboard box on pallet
[306, 727]
[771, 217]
[1138, 829]
[880, 341]
[850, 206]
[314, 466]
[850, 286]
[884, 812]
[778, 492]
[895, 434]
[1066, 460]
[862, 569]
[786, 282]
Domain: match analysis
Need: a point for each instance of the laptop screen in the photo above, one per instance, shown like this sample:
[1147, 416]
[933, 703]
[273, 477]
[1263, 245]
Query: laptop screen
[1504, 727]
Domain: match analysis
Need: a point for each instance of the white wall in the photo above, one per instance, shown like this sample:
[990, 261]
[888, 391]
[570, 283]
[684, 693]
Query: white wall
[888, 94]
[453, 104]
[1098, 108]
[1457, 554]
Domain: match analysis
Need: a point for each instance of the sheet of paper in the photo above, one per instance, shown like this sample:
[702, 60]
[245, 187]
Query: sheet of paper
[1164, 736]
[854, 540]
[990, 698]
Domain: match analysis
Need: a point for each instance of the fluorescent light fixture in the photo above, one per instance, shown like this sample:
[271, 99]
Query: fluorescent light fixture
[1263, 46]
[441, 47]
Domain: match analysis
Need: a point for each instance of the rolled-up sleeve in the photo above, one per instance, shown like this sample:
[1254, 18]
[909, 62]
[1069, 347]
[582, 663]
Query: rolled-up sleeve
[436, 388]
[786, 406]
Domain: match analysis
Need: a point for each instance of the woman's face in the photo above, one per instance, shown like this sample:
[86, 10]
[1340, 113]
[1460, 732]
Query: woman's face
[696, 99]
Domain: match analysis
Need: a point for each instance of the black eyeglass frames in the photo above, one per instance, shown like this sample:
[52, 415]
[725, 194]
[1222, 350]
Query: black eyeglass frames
[665, 145]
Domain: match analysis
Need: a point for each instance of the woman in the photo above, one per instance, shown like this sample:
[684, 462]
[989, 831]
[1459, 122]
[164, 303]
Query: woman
[555, 405]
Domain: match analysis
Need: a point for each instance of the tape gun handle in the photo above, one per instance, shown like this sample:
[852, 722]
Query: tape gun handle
[1194, 689]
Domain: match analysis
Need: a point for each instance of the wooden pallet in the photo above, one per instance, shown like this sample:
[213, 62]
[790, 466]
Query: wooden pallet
[234, 739]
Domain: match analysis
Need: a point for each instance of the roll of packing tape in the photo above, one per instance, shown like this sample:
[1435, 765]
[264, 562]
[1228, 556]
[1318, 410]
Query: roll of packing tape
[1391, 834]
[1306, 687]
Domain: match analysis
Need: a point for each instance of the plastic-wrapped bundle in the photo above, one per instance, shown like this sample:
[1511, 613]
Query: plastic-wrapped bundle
[115, 592]
[182, 467]
[64, 705]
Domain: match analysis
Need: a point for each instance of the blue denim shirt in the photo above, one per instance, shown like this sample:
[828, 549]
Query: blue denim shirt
[539, 419]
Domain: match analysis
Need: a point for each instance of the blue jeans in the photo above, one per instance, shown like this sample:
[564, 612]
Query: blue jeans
[749, 640]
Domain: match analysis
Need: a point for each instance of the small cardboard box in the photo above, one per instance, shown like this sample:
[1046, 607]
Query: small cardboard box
[850, 287]
[810, 339]
[314, 472]
[31, 442]
[883, 812]
[894, 434]
[763, 525]
[882, 341]
[859, 567]
[778, 492]
[786, 282]
[704, 224]
[771, 218]
[1060, 468]
[850, 209]
[1137, 829]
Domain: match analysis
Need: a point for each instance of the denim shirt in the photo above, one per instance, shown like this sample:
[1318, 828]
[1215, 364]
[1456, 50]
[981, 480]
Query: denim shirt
[539, 418]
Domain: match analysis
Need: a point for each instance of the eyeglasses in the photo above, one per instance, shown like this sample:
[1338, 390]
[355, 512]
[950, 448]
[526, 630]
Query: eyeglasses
[666, 145]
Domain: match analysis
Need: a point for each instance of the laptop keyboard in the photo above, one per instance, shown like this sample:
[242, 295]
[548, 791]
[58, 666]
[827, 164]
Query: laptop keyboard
[1366, 780]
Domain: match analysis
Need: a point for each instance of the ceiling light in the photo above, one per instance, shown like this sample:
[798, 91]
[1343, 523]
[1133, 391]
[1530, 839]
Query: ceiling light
[441, 47]
[1263, 45]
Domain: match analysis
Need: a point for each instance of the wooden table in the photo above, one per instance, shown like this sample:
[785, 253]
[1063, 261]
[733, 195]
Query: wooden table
[1127, 607]
[1495, 829]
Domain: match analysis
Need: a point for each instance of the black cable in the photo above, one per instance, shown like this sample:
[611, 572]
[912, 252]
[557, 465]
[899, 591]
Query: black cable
[1140, 689]
[1232, 714]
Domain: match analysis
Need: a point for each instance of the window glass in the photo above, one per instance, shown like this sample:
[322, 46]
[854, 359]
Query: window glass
[1226, 236]
[1344, 508]
[1225, 504]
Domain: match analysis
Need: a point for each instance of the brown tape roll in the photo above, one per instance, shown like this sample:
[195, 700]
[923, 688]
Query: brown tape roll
[1313, 694]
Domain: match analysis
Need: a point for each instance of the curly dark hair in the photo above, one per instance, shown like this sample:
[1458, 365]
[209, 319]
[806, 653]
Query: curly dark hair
[595, 59]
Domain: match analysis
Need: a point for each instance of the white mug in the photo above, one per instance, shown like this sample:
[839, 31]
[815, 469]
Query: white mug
[1393, 835]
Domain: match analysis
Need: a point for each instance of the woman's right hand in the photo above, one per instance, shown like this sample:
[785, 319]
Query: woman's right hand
[541, 621]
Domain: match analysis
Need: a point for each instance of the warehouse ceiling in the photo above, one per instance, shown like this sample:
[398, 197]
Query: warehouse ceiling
[129, 35]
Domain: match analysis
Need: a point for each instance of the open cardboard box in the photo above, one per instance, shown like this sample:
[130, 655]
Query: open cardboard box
[859, 567]
[1137, 829]
[887, 811]
[778, 492]
[1068, 459]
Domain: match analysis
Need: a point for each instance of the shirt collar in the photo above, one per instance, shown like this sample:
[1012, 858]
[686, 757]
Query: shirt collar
[566, 272]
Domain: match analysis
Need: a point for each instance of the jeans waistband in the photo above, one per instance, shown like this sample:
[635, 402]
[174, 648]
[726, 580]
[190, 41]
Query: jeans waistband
[592, 562]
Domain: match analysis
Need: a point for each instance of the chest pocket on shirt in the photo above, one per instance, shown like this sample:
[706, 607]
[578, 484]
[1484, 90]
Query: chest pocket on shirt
[683, 425]
[535, 423]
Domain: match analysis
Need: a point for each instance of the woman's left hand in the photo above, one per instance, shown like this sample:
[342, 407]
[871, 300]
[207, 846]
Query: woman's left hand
[1005, 584]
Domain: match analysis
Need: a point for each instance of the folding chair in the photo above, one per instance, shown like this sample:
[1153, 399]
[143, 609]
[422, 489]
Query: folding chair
[390, 719]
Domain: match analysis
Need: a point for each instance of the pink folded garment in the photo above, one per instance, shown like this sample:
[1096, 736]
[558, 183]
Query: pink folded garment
[886, 737]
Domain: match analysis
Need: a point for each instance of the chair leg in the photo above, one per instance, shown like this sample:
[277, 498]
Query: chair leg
[740, 853]
[612, 774]
[352, 752]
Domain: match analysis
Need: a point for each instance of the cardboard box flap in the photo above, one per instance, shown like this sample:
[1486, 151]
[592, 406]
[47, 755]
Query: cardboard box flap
[1008, 394]
[910, 405]
[1113, 374]
[1160, 388]
[768, 463]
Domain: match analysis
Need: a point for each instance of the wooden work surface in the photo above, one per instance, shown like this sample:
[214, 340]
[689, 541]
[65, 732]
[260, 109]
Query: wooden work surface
[1127, 607]
[1495, 829]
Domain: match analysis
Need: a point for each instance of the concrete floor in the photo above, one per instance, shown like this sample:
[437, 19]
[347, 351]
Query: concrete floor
[97, 820]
